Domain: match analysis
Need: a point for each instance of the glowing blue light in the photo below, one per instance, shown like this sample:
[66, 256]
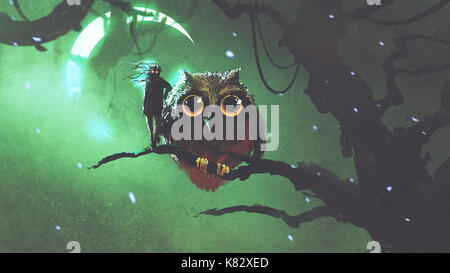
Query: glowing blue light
[355, 109]
[229, 54]
[331, 16]
[314, 127]
[79, 165]
[352, 73]
[15, 44]
[37, 39]
[132, 197]
[407, 220]
[389, 188]
[351, 180]
[38, 130]
[58, 228]
[307, 200]
[293, 166]
[381, 43]
[415, 119]
[100, 130]
[234, 34]
[290, 237]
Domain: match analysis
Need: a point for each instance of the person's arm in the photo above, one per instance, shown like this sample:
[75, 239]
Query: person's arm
[168, 88]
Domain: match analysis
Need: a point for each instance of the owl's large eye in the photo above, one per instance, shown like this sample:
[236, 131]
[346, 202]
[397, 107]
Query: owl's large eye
[231, 105]
[193, 105]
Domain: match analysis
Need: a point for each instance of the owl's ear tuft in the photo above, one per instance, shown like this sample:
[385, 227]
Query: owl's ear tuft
[233, 75]
[188, 76]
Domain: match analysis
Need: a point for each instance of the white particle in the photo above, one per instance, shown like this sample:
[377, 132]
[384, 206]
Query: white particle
[79, 165]
[58, 228]
[15, 44]
[424, 133]
[389, 188]
[38, 130]
[28, 85]
[351, 180]
[381, 43]
[318, 173]
[290, 237]
[229, 54]
[13, 18]
[132, 197]
[293, 166]
[314, 127]
[407, 220]
[378, 105]
[234, 34]
[352, 73]
[11, 2]
[331, 16]
[415, 119]
[37, 39]
[281, 95]
[355, 109]
[307, 200]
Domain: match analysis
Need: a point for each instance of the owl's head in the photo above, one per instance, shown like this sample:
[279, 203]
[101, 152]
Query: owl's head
[194, 93]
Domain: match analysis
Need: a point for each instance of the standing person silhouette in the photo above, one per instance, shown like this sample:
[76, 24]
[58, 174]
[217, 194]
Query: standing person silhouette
[153, 100]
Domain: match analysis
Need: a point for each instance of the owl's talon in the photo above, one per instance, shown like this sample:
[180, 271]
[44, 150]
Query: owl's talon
[202, 164]
[222, 169]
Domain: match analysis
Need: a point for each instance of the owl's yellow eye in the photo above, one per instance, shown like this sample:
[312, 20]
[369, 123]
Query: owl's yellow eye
[231, 105]
[193, 105]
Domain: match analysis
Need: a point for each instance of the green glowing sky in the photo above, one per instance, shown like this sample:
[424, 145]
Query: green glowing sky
[46, 133]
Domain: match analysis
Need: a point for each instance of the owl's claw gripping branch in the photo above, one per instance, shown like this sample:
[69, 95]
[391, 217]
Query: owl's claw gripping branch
[203, 164]
[222, 169]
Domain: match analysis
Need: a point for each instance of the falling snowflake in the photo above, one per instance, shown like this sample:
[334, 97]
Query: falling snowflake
[38, 131]
[58, 228]
[381, 43]
[79, 165]
[389, 188]
[37, 39]
[132, 197]
[229, 54]
[290, 237]
[415, 119]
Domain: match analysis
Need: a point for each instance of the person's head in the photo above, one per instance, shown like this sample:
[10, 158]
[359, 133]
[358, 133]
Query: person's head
[154, 70]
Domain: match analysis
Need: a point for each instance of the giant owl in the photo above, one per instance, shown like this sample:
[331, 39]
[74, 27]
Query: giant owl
[194, 92]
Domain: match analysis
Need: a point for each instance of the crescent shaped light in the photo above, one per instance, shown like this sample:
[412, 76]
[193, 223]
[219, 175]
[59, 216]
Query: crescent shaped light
[94, 32]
